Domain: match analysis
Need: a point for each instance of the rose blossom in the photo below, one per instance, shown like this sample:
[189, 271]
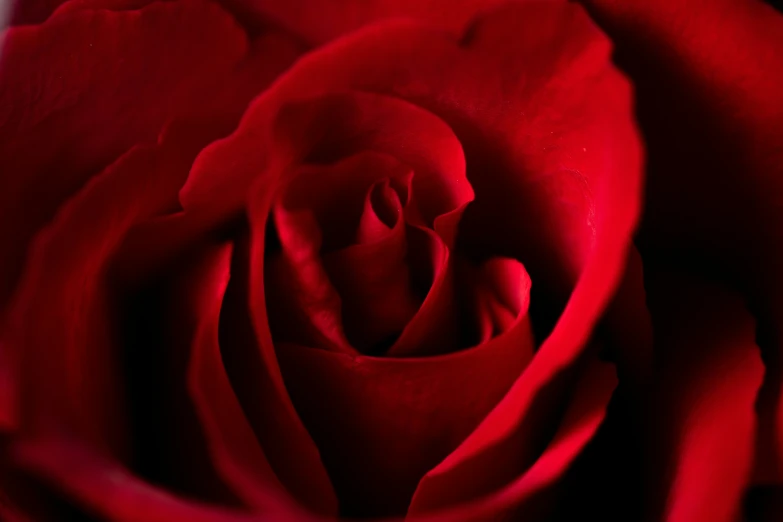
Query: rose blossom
[302, 260]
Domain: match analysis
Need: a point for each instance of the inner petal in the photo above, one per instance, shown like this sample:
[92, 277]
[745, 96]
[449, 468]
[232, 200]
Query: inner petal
[373, 277]
[382, 211]
[338, 194]
[497, 292]
[341, 277]
[303, 304]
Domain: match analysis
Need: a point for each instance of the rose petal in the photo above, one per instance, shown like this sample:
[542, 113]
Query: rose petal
[492, 445]
[525, 497]
[501, 292]
[711, 371]
[302, 300]
[387, 125]
[375, 469]
[252, 368]
[434, 329]
[407, 413]
[23, 42]
[152, 244]
[381, 213]
[64, 289]
[374, 281]
[313, 294]
[324, 130]
[155, 323]
[504, 453]
[233, 444]
[608, 480]
[438, 188]
[338, 193]
[708, 76]
[722, 150]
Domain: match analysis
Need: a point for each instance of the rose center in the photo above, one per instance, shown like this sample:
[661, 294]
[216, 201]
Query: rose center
[356, 269]
[342, 278]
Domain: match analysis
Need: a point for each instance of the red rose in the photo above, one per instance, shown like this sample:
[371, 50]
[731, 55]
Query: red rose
[298, 260]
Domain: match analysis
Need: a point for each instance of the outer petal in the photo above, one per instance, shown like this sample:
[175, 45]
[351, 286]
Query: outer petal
[528, 496]
[251, 365]
[709, 76]
[88, 84]
[56, 121]
[72, 405]
[236, 450]
[66, 391]
[67, 264]
[702, 437]
[609, 479]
